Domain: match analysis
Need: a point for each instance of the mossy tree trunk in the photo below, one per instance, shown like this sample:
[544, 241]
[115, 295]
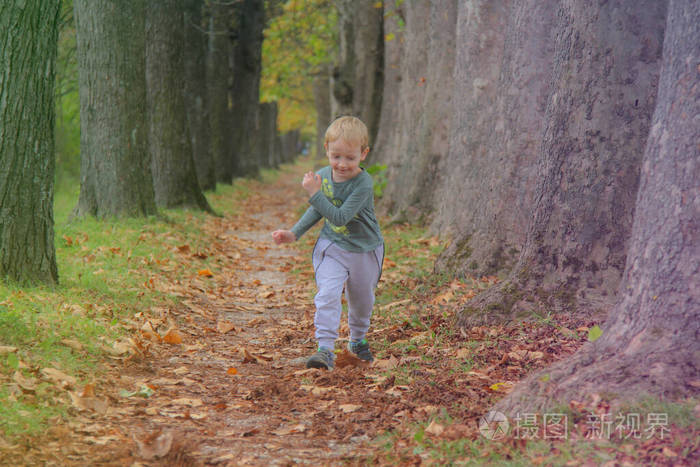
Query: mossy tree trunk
[650, 342]
[28, 43]
[174, 175]
[503, 75]
[115, 178]
[196, 101]
[606, 68]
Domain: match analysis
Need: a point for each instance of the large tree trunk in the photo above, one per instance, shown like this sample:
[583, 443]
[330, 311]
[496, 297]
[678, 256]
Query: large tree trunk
[115, 161]
[218, 72]
[651, 342]
[425, 133]
[496, 134]
[174, 175]
[197, 108]
[247, 66]
[357, 83]
[29, 36]
[606, 67]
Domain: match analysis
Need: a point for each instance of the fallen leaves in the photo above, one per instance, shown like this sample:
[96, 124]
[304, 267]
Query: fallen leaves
[154, 445]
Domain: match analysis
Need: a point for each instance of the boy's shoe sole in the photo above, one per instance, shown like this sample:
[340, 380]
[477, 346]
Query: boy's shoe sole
[361, 350]
[322, 359]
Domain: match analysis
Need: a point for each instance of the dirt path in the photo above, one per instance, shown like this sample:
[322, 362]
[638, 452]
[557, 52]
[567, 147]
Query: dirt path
[227, 385]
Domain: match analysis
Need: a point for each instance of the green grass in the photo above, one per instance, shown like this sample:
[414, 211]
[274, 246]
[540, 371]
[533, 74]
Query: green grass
[104, 267]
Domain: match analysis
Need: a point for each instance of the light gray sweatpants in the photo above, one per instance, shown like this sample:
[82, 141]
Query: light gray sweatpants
[359, 274]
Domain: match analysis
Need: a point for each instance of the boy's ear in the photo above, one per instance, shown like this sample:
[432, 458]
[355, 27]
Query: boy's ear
[365, 152]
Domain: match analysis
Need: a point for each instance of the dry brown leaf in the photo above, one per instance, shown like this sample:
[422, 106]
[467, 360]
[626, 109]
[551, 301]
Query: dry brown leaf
[435, 428]
[299, 428]
[224, 326]
[348, 408]
[7, 349]
[73, 344]
[345, 358]
[173, 337]
[248, 357]
[27, 384]
[59, 377]
[186, 401]
[155, 445]
[386, 364]
[93, 404]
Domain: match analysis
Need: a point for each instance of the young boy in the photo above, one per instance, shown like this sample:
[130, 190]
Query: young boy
[350, 249]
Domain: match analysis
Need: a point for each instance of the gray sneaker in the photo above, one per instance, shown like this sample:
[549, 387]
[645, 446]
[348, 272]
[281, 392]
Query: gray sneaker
[323, 358]
[361, 349]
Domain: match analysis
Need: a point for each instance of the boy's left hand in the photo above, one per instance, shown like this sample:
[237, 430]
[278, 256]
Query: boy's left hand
[311, 183]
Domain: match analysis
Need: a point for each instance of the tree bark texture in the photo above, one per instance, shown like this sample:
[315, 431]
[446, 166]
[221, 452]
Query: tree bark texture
[291, 141]
[322, 103]
[247, 66]
[411, 97]
[651, 341]
[425, 133]
[268, 134]
[115, 178]
[218, 100]
[383, 149]
[357, 81]
[28, 43]
[174, 174]
[504, 78]
[606, 68]
[196, 101]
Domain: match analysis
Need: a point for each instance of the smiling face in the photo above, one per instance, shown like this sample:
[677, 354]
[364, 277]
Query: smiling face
[344, 158]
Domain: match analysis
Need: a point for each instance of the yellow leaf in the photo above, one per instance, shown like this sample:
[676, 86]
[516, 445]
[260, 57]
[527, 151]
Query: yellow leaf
[378, 5]
[205, 273]
[232, 371]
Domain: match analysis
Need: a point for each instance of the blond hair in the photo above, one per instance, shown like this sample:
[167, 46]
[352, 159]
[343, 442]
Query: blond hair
[350, 129]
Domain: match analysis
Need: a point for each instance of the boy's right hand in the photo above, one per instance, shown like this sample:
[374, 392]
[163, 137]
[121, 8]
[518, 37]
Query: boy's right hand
[283, 236]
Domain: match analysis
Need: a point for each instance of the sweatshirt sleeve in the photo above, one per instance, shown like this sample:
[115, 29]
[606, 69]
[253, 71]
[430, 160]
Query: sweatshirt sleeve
[310, 217]
[340, 216]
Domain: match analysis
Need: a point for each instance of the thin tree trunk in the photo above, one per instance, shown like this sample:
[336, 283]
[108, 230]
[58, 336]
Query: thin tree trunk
[115, 160]
[606, 70]
[29, 37]
[174, 175]
[651, 342]
[322, 102]
[197, 106]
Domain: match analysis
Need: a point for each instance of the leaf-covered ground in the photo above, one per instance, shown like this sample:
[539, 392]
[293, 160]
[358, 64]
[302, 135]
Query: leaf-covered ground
[219, 378]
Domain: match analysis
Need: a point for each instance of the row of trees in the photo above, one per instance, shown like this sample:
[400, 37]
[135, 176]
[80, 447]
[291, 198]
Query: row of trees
[169, 106]
[555, 142]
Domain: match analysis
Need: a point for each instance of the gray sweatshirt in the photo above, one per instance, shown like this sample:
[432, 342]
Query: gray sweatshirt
[348, 210]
